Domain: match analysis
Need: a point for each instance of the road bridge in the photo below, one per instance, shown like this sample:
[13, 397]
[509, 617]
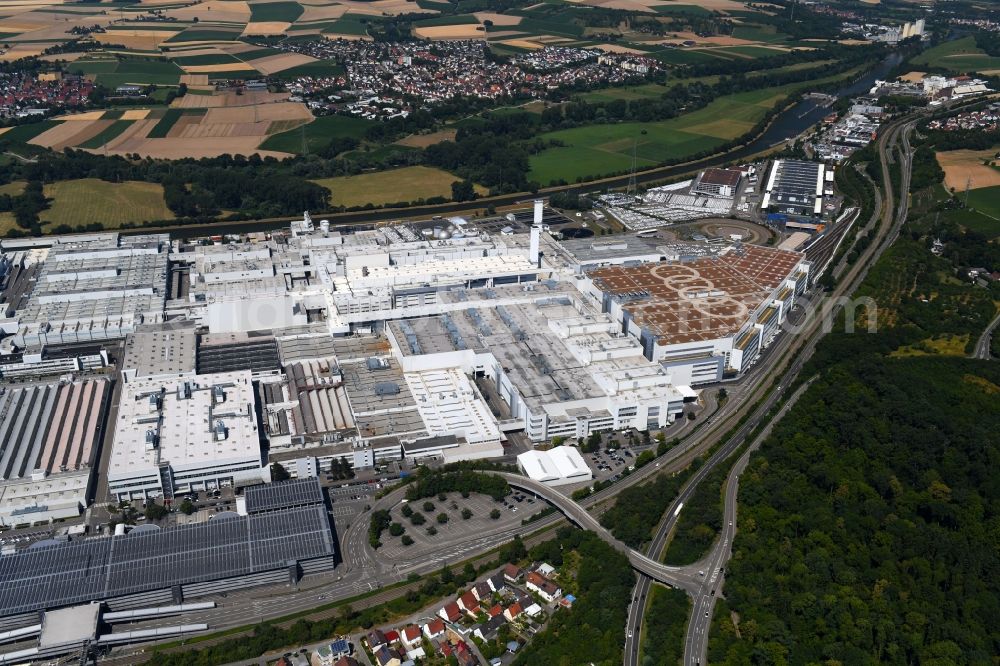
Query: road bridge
[683, 578]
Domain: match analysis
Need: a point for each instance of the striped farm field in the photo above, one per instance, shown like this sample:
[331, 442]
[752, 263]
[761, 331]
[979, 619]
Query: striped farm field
[89, 200]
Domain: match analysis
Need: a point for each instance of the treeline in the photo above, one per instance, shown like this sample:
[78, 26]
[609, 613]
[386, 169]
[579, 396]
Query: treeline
[971, 139]
[637, 511]
[430, 483]
[925, 169]
[591, 631]
[701, 519]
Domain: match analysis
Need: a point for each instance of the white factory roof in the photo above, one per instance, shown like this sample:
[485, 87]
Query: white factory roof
[185, 428]
[449, 405]
[562, 464]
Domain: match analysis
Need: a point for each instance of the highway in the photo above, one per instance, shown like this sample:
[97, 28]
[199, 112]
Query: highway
[982, 350]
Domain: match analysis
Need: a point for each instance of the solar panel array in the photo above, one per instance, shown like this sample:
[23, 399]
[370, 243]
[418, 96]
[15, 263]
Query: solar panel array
[271, 496]
[92, 569]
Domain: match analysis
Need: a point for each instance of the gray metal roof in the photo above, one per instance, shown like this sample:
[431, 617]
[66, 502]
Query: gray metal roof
[101, 568]
[272, 496]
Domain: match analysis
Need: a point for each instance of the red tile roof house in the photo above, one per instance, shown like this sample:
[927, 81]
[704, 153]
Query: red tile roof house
[411, 635]
[392, 636]
[450, 612]
[469, 603]
[496, 610]
[434, 629]
[512, 612]
[544, 587]
[511, 572]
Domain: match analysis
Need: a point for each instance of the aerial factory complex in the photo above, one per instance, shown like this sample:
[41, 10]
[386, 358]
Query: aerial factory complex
[145, 369]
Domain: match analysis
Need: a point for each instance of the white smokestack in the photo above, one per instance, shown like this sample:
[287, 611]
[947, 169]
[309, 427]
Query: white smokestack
[536, 235]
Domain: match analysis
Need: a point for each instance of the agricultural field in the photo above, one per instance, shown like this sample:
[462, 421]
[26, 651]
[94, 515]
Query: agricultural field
[960, 55]
[962, 167]
[316, 134]
[385, 187]
[89, 200]
[595, 150]
[112, 73]
[986, 200]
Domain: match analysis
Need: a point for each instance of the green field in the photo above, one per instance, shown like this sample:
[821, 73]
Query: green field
[207, 34]
[595, 150]
[383, 187]
[986, 200]
[318, 68]
[170, 117]
[112, 73]
[275, 11]
[959, 55]
[206, 59]
[349, 24]
[317, 134]
[81, 202]
[758, 33]
[457, 19]
[107, 134]
[25, 133]
[645, 91]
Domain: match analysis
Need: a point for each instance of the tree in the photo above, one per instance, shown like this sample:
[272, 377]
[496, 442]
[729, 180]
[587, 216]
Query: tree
[186, 507]
[428, 506]
[156, 511]
[431, 530]
[417, 518]
[395, 529]
[463, 190]
[279, 473]
[407, 540]
[442, 518]
[644, 458]
[466, 513]
[407, 511]
[495, 514]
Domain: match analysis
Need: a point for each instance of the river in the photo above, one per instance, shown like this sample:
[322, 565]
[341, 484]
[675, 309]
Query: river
[788, 124]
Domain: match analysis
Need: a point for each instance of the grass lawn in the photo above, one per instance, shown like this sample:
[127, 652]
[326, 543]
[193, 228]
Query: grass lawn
[959, 55]
[275, 11]
[382, 187]
[80, 202]
[986, 200]
[317, 134]
[7, 223]
[645, 91]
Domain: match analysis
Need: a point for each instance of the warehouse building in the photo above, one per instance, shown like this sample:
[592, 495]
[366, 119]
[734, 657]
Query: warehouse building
[185, 434]
[718, 182]
[49, 442]
[284, 534]
[794, 188]
[556, 467]
[91, 289]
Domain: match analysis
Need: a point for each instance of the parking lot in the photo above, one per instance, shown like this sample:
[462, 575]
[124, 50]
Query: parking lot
[348, 502]
[457, 528]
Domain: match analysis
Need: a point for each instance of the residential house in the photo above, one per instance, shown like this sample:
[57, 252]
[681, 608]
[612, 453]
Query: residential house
[387, 656]
[434, 629]
[497, 582]
[544, 587]
[450, 612]
[375, 639]
[513, 611]
[496, 610]
[482, 591]
[511, 573]
[534, 610]
[469, 603]
[487, 631]
[346, 661]
[411, 636]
